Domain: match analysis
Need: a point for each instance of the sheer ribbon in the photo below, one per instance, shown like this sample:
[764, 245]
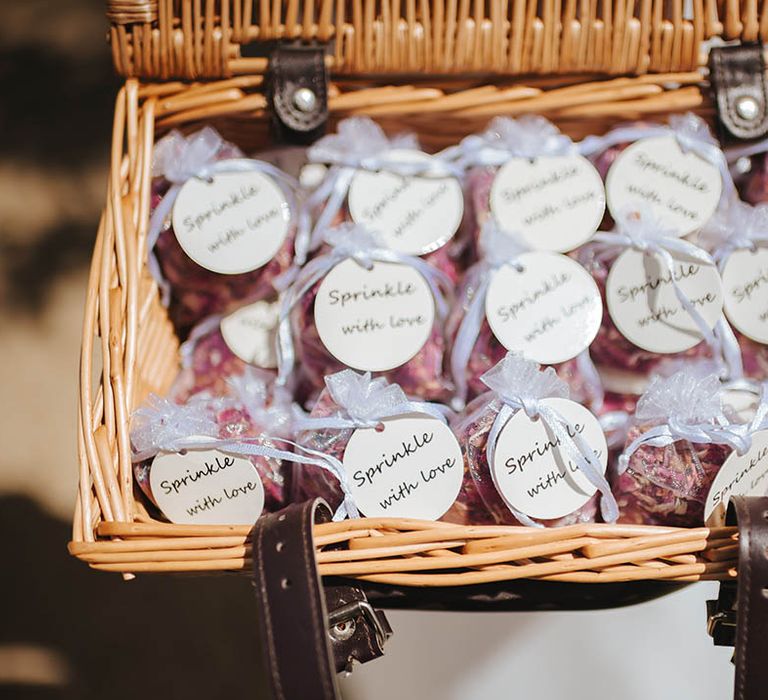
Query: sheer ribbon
[528, 136]
[178, 159]
[691, 133]
[689, 407]
[358, 243]
[365, 402]
[643, 232]
[521, 386]
[359, 144]
[163, 426]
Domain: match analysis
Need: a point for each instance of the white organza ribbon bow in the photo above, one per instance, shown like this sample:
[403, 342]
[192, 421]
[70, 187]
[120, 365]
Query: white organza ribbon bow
[687, 406]
[738, 226]
[365, 402]
[528, 136]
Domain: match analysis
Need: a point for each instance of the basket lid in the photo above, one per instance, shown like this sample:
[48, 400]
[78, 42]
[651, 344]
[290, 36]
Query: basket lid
[187, 39]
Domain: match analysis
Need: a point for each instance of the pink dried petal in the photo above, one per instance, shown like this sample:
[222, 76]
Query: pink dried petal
[668, 485]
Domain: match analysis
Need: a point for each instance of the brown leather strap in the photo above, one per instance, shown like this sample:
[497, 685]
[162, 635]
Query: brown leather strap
[751, 515]
[297, 93]
[304, 644]
[737, 75]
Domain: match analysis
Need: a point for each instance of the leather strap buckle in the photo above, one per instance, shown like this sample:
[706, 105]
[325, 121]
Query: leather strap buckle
[342, 621]
[737, 76]
[721, 616]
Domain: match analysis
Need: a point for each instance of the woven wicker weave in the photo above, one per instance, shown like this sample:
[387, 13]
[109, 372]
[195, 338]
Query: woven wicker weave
[193, 39]
[129, 346]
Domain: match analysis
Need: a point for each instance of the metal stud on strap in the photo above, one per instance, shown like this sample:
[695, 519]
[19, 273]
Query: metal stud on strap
[737, 75]
[297, 92]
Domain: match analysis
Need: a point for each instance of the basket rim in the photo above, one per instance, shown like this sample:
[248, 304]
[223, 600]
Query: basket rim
[124, 323]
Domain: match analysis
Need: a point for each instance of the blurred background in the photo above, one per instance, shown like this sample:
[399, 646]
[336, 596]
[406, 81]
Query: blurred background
[67, 632]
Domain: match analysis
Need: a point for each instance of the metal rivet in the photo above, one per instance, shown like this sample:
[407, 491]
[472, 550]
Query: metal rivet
[743, 165]
[304, 99]
[747, 107]
[343, 631]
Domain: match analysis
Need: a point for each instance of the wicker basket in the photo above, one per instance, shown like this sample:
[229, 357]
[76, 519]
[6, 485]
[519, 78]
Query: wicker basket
[129, 346]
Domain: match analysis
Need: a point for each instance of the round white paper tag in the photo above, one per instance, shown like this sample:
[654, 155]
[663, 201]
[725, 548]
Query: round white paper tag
[251, 333]
[745, 287]
[411, 469]
[206, 488]
[739, 476]
[682, 189]
[553, 202]
[414, 214]
[374, 320]
[740, 402]
[234, 223]
[534, 473]
[549, 312]
[644, 306]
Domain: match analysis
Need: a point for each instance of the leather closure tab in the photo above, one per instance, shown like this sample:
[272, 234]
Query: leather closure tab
[737, 75]
[297, 92]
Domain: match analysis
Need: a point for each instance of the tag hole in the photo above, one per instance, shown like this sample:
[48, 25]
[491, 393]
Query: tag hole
[182, 452]
[379, 427]
[285, 583]
[279, 546]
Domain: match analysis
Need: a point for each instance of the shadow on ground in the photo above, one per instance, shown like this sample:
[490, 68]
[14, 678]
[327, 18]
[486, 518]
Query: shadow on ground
[153, 637]
[56, 120]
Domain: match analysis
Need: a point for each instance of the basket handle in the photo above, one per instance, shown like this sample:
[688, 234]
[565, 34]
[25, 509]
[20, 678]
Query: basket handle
[740, 615]
[307, 637]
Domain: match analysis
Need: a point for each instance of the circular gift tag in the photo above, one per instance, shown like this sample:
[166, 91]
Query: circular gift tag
[251, 333]
[553, 202]
[549, 312]
[681, 189]
[745, 288]
[644, 307]
[745, 475]
[206, 488]
[534, 472]
[234, 223]
[374, 320]
[414, 214]
[740, 400]
[413, 468]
